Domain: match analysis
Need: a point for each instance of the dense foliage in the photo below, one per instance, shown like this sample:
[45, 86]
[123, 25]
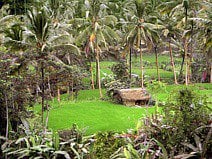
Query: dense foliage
[48, 48]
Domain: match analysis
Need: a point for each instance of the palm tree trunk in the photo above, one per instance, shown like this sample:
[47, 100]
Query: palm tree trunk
[156, 61]
[182, 64]
[47, 119]
[98, 75]
[72, 89]
[49, 85]
[131, 63]
[58, 94]
[191, 53]
[186, 61]
[172, 62]
[92, 80]
[141, 67]
[211, 74]
[42, 89]
[97, 72]
[7, 117]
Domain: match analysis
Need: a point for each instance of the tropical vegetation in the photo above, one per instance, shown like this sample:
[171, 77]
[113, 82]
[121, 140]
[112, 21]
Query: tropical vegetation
[61, 61]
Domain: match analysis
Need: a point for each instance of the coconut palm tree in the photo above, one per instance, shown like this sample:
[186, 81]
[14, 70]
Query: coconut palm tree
[139, 27]
[97, 32]
[202, 33]
[182, 11]
[172, 33]
[42, 41]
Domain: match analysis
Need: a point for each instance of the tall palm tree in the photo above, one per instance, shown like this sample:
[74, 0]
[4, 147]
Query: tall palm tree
[40, 39]
[171, 32]
[40, 29]
[202, 32]
[139, 27]
[97, 32]
[183, 11]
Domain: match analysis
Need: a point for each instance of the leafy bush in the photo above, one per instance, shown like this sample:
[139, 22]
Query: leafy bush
[185, 117]
[119, 80]
[105, 145]
[185, 112]
[36, 142]
[114, 85]
[182, 131]
[120, 70]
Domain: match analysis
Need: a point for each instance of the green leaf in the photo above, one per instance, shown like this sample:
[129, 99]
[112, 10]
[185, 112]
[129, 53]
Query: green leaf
[127, 154]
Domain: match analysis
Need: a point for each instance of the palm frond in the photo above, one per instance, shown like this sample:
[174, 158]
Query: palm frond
[54, 60]
[109, 20]
[81, 38]
[110, 34]
[61, 39]
[39, 23]
[153, 26]
[67, 48]
[78, 22]
[140, 6]
[7, 19]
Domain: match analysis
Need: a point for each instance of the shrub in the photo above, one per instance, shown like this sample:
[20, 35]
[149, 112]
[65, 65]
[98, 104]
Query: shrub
[105, 145]
[36, 142]
[185, 112]
[120, 70]
[185, 117]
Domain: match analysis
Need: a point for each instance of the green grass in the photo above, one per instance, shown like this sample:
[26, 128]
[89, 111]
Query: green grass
[200, 88]
[96, 115]
[93, 114]
[152, 73]
[151, 58]
[148, 72]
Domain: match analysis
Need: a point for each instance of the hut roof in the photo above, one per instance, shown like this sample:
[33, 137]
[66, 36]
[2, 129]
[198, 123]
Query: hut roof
[133, 94]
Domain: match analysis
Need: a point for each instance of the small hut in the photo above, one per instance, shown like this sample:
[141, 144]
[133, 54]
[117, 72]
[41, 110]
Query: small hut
[132, 97]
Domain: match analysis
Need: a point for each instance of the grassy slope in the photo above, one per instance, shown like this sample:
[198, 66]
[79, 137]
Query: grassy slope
[95, 115]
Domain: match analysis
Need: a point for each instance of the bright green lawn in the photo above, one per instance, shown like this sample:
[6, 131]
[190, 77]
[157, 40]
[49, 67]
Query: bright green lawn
[95, 115]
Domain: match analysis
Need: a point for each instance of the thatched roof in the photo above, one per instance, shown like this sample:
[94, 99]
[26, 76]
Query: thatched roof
[133, 94]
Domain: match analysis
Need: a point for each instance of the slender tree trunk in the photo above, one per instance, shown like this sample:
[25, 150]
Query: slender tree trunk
[42, 89]
[99, 78]
[72, 89]
[186, 49]
[211, 74]
[141, 67]
[68, 90]
[92, 79]
[49, 85]
[47, 118]
[172, 62]
[7, 117]
[156, 61]
[182, 64]
[186, 61]
[97, 72]
[191, 54]
[58, 94]
[131, 50]
[37, 92]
